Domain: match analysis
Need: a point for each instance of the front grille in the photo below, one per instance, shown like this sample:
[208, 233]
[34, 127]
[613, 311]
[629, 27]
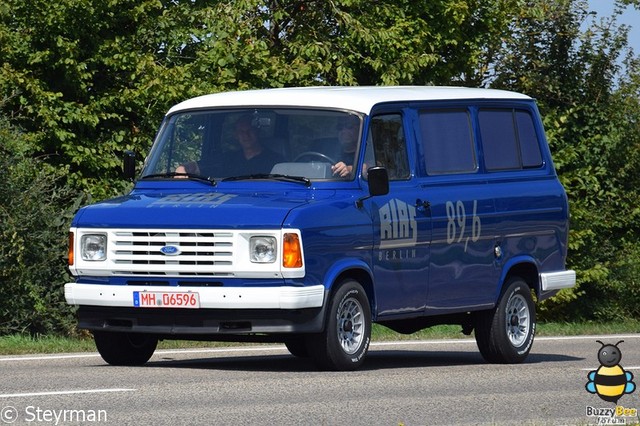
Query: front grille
[200, 253]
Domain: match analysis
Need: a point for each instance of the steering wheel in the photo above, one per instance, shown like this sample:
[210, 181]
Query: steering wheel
[317, 155]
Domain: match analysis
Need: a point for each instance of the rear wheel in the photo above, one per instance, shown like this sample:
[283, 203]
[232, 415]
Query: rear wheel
[505, 334]
[345, 340]
[124, 348]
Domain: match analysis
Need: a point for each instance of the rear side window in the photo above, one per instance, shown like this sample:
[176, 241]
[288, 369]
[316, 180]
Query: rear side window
[447, 140]
[529, 146]
[509, 139]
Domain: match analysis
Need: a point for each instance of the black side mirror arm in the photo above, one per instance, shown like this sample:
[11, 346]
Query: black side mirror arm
[378, 184]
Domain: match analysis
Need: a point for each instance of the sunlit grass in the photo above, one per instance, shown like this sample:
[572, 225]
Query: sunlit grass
[19, 344]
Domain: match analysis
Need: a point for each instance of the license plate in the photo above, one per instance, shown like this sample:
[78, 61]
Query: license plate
[155, 299]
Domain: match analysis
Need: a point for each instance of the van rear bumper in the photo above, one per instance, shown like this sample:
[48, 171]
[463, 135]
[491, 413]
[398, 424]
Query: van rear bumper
[557, 280]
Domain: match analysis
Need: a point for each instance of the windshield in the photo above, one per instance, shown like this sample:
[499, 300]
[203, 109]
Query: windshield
[258, 143]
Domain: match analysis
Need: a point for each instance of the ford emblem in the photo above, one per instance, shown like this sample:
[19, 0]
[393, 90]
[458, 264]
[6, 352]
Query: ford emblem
[170, 250]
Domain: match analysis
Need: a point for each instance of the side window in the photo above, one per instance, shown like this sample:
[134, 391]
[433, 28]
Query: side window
[499, 142]
[509, 140]
[447, 141]
[386, 146]
[529, 146]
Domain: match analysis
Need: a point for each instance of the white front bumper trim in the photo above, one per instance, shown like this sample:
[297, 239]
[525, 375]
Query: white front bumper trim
[285, 297]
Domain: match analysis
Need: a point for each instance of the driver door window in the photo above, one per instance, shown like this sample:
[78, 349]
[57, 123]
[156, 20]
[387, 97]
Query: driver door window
[386, 146]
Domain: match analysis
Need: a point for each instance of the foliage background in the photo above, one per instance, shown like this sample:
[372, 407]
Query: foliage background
[81, 81]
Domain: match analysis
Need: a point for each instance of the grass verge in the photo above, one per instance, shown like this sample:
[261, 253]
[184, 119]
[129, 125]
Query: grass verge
[23, 344]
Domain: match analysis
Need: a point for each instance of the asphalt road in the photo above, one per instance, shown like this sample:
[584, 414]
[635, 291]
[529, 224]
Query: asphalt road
[402, 383]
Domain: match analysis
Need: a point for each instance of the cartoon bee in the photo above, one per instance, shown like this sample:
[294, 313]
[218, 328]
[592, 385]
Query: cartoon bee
[610, 381]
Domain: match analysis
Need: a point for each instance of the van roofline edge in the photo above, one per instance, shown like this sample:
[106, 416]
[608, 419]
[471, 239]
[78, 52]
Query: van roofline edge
[355, 98]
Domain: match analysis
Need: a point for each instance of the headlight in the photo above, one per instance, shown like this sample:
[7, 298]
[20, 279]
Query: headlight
[263, 249]
[93, 247]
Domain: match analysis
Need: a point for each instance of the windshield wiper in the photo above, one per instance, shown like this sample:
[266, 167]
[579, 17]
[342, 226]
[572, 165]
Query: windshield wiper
[193, 176]
[286, 178]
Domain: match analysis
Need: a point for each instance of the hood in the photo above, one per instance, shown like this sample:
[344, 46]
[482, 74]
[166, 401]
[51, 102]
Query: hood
[194, 210]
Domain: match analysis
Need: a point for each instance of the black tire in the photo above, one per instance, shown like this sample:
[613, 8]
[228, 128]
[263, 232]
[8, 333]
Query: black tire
[298, 347]
[505, 334]
[125, 348]
[345, 340]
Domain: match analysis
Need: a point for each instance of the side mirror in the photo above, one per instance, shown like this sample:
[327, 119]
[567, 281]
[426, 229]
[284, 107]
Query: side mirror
[129, 165]
[378, 183]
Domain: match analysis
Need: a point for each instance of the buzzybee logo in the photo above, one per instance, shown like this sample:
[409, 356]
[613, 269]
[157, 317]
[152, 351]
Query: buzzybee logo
[610, 381]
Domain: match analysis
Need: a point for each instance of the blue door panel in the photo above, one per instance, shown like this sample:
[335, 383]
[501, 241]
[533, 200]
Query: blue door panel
[462, 268]
[401, 232]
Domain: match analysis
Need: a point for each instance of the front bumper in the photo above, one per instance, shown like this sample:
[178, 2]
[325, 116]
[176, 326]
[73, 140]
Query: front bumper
[256, 325]
[283, 297]
[224, 311]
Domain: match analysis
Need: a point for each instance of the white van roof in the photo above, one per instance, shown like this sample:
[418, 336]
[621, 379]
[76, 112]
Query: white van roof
[356, 98]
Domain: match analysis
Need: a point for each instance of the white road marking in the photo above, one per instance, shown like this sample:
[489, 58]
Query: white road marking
[602, 337]
[625, 368]
[42, 357]
[70, 392]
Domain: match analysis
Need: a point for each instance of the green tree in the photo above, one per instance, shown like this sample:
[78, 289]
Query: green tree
[87, 79]
[35, 214]
[589, 98]
[95, 77]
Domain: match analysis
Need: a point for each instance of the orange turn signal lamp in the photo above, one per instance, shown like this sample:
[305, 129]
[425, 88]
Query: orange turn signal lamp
[71, 253]
[291, 251]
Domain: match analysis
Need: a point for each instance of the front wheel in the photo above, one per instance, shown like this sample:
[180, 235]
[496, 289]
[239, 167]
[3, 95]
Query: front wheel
[505, 334]
[345, 340]
[297, 347]
[124, 348]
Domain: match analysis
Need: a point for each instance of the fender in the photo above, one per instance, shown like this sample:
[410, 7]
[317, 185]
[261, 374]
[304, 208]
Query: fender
[337, 269]
[508, 266]
[350, 263]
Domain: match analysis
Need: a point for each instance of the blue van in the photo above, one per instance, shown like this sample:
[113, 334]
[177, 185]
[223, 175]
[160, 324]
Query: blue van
[304, 215]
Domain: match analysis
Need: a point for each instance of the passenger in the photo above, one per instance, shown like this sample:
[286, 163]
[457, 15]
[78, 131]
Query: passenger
[251, 158]
[348, 130]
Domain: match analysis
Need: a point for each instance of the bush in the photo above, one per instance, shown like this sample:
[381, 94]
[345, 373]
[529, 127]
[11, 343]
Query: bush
[35, 212]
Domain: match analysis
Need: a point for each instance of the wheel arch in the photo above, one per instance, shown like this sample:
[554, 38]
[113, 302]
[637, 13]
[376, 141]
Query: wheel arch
[357, 271]
[523, 267]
